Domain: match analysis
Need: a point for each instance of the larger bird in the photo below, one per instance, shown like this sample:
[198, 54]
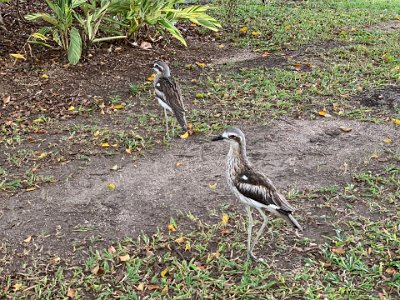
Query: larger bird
[168, 94]
[253, 188]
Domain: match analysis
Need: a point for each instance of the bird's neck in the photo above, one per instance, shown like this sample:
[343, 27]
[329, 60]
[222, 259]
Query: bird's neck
[161, 75]
[237, 158]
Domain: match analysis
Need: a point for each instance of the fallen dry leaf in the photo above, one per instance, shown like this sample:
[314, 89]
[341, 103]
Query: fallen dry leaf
[178, 164]
[171, 227]
[164, 272]
[111, 249]
[224, 219]
[224, 231]
[28, 239]
[105, 145]
[338, 250]
[31, 189]
[265, 54]
[55, 260]
[244, 29]
[151, 287]
[187, 246]
[345, 129]
[145, 45]
[17, 286]
[71, 293]
[45, 76]
[6, 99]
[119, 106]
[114, 168]
[17, 56]
[255, 33]
[388, 141]
[396, 121]
[111, 186]
[390, 271]
[125, 257]
[220, 46]
[200, 65]
[185, 135]
[140, 287]
[180, 240]
[212, 186]
[151, 78]
[324, 113]
[164, 291]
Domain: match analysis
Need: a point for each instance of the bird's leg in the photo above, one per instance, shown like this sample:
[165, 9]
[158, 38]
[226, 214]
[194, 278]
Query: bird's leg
[249, 230]
[166, 120]
[261, 230]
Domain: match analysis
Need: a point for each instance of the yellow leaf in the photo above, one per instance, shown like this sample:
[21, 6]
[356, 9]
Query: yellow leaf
[31, 189]
[288, 27]
[397, 17]
[114, 145]
[322, 112]
[396, 121]
[178, 164]
[45, 76]
[185, 135]
[124, 257]
[28, 239]
[244, 29]
[193, 24]
[128, 150]
[397, 68]
[140, 287]
[256, 33]
[105, 145]
[388, 141]
[111, 186]
[164, 291]
[71, 293]
[17, 55]
[220, 46]
[17, 286]
[119, 106]
[95, 270]
[201, 65]
[164, 272]
[225, 219]
[39, 36]
[187, 246]
[71, 107]
[212, 186]
[151, 78]
[180, 240]
[171, 227]
[42, 155]
[345, 129]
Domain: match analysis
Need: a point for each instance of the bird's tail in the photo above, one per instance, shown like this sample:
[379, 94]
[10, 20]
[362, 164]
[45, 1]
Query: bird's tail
[290, 219]
[180, 116]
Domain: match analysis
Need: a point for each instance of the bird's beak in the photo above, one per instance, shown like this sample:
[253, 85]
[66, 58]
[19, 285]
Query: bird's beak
[217, 138]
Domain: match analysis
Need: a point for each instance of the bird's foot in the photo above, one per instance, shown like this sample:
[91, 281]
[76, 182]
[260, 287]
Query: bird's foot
[251, 256]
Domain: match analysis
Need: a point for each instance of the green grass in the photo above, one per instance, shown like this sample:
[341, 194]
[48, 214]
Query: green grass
[290, 24]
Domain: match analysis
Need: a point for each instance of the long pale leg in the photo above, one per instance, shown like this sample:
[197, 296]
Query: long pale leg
[261, 230]
[166, 120]
[249, 231]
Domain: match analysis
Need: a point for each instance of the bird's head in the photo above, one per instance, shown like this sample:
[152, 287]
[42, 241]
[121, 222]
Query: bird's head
[232, 135]
[161, 67]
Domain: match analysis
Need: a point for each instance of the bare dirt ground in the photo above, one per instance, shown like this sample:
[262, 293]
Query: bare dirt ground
[297, 154]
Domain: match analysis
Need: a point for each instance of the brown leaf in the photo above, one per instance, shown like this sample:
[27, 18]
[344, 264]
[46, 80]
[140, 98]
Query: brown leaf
[171, 227]
[345, 129]
[55, 260]
[6, 99]
[140, 287]
[71, 293]
[390, 270]
[111, 249]
[28, 239]
[338, 250]
[151, 287]
[125, 257]
[145, 45]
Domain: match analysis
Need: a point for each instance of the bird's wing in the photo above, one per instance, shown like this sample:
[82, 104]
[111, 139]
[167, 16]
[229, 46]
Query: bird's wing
[257, 186]
[172, 93]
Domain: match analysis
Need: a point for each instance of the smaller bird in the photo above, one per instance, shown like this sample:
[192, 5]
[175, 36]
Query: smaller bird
[168, 94]
[252, 188]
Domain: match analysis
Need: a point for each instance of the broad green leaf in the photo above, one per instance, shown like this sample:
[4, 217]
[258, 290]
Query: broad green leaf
[173, 30]
[75, 46]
